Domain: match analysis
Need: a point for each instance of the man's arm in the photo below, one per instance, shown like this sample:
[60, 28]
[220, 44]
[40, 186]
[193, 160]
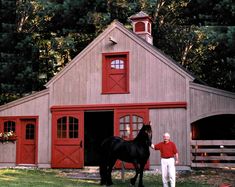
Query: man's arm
[176, 158]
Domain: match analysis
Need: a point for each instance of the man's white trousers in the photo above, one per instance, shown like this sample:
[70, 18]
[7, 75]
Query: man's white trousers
[168, 171]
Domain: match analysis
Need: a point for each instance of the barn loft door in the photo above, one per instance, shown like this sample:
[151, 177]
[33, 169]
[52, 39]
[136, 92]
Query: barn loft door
[27, 143]
[67, 140]
[127, 125]
[115, 73]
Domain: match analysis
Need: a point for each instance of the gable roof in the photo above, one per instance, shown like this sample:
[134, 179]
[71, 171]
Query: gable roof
[117, 25]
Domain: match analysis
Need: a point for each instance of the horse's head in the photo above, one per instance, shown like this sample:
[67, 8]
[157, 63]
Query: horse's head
[146, 133]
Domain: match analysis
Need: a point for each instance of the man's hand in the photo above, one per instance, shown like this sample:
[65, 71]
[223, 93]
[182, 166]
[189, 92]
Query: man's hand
[152, 146]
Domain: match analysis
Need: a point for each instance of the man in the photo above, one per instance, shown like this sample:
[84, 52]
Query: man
[169, 157]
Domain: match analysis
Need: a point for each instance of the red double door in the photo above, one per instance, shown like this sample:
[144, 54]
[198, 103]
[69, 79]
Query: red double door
[68, 134]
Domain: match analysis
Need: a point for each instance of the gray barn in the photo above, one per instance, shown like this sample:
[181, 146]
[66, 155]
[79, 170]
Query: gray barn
[117, 83]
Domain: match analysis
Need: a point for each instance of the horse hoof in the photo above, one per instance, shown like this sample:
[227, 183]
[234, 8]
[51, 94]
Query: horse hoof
[109, 184]
[132, 182]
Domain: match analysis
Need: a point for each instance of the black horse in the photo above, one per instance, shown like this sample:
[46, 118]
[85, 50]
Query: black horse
[135, 151]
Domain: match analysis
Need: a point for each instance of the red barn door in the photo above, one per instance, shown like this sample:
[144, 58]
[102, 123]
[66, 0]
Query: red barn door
[27, 143]
[67, 140]
[127, 125]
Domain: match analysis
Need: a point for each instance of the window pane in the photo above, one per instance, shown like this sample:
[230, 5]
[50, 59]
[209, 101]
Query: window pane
[134, 118]
[61, 127]
[73, 127]
[9, 126]
[127, 119]
[134, 126]
[134, 133]
[117, 64]
[30, 132]
[121, 134]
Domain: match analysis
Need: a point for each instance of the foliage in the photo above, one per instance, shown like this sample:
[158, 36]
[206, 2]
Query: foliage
[202, 43]
[8, 136]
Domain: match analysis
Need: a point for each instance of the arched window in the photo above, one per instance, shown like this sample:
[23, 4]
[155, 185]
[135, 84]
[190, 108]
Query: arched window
[117, 64]
[9, 126]
[139, 27]
[129, 126]
[67, 127]
[149, 27]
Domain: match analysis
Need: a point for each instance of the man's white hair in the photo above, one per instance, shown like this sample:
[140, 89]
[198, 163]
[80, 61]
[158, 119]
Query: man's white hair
[167, 134]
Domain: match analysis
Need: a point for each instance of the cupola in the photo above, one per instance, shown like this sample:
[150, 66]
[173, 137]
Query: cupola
[142, 26]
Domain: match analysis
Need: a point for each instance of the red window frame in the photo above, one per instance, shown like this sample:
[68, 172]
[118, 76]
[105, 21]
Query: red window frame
[115, 80]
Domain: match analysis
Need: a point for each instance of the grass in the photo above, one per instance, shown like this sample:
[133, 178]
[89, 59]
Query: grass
[54, 178]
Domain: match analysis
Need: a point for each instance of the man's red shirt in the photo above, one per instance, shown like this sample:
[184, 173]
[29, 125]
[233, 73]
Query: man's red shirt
[167, 150]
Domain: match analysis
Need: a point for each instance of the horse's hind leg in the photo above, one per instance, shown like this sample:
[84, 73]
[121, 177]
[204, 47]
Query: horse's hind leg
[133, 180]
[103, 174]
[109, 172]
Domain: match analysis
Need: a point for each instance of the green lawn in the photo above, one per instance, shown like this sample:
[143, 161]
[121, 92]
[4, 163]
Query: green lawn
[54, 178]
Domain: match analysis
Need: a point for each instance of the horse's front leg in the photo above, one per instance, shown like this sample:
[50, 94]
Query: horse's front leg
[141, 170]
[133, 180]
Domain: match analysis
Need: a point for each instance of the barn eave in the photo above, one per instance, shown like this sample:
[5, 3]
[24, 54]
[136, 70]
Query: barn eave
[24, 99]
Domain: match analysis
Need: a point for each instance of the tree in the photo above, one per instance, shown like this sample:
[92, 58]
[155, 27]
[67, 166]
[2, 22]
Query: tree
[201, 42]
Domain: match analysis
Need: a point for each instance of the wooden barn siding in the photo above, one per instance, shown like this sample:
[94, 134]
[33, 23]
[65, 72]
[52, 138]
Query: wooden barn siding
[7, 153]
[35, 106]
[151, 80]
[172, 121]
[207, 101]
